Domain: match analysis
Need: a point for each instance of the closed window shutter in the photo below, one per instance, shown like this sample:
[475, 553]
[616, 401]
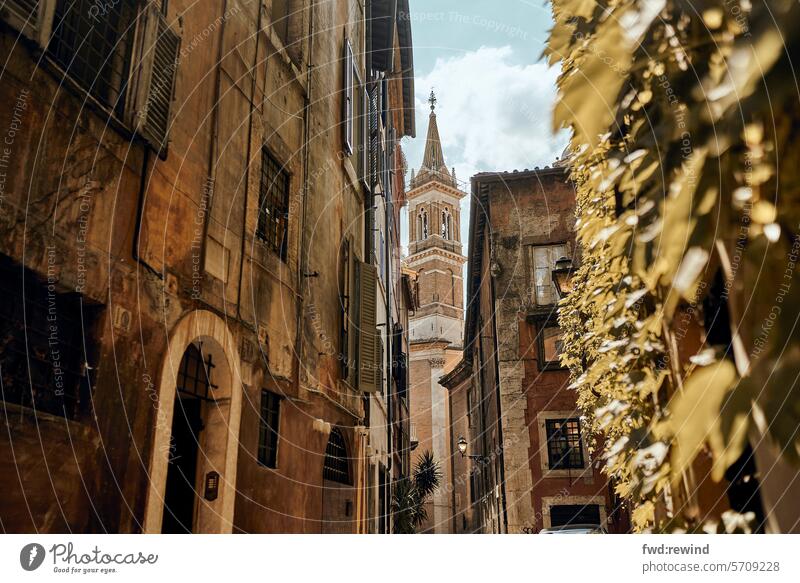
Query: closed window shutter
[374, 138]
[158, 49]
[32, 18]
[368, 377]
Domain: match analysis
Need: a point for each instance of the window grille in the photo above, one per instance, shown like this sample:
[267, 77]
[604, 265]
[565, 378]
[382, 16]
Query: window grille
[337, 467]
[564, 448]
[195, 373]
[46, 343]
[273, 204]
[94, 50]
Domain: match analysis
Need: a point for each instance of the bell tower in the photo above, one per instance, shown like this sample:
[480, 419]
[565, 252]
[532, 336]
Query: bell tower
[435, 251]
[437, 326]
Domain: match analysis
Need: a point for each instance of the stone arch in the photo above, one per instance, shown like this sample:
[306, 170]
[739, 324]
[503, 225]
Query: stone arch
[219, 442]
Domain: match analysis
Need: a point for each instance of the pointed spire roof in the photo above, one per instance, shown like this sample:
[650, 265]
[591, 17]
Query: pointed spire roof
[433, 165]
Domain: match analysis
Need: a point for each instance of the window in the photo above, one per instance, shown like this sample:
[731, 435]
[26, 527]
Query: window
[195, 373]
[336, 467]
[125, 58]
[346, 290]
[349, 98]
[94, 49]
[551, 345]
[564, 446]
[447, 225]
[422, 224]
[46, 344]
[273, 205]
[543, 259]
[268, 429]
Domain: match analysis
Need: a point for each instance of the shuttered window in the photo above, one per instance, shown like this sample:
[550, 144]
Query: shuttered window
[368, 373]
[34, 19]
[94, 50]
[160, 63]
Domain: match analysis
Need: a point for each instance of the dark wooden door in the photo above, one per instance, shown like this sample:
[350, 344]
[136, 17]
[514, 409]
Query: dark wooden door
[180, 494]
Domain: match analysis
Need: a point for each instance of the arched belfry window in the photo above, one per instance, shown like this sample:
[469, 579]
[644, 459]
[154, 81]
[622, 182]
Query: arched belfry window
[336, 468]
[447, 224]
[422, 224]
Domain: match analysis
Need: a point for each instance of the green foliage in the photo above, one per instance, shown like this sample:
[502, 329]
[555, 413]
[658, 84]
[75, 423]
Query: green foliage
[410, 494]
[680, 112]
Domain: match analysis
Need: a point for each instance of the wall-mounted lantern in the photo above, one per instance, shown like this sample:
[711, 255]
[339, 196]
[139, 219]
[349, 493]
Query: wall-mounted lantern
[562, 276]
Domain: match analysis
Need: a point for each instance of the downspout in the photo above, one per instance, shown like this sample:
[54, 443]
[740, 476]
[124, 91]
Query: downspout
[254, 75]
[301, 257]
[213, 150]
[137, 231]
[497, 384]
[389, 208]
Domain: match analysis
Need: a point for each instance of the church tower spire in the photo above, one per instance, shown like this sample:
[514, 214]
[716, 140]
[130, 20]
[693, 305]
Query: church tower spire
[433, 164]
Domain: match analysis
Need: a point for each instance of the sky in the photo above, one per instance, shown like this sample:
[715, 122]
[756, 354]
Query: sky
[495, 93]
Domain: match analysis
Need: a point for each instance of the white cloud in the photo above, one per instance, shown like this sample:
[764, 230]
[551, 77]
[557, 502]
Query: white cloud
[493, 114]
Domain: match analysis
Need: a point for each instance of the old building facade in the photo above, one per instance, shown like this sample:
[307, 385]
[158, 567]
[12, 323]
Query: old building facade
[190, 192]
[527, 465]
[435, 254]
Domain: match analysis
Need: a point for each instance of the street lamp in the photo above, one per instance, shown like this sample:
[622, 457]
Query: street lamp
[562, 276]
[462, 447]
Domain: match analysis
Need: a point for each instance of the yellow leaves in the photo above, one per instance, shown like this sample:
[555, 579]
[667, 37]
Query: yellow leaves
[643, 515]
[695, 412]
[589, 89]
[764, 212]
[713, 18]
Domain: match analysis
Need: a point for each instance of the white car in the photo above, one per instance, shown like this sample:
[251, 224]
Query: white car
[575, 529]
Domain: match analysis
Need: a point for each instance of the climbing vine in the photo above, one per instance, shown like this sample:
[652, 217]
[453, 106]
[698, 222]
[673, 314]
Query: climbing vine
[685, 122]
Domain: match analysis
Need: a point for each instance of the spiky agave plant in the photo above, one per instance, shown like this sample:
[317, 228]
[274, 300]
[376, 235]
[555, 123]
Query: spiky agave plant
[411, 494]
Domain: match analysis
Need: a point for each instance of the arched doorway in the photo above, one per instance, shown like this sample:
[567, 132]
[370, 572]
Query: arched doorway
[196, 434]
[337, 487]
[193, 389]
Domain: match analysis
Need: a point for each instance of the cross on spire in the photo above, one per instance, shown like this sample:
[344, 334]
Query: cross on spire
[432, 100]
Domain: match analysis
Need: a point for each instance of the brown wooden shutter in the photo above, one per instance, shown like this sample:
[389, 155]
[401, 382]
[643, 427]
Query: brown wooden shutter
[32, 18]
[158, 51]
[368, 331]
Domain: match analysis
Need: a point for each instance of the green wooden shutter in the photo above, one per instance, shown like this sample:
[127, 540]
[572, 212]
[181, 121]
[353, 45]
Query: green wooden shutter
[368, 331]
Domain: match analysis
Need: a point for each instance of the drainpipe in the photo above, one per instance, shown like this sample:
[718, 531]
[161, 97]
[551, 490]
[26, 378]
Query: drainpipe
[143, 183]
[254, 75]
[213, 150]
[502, 453]
[301, 258]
